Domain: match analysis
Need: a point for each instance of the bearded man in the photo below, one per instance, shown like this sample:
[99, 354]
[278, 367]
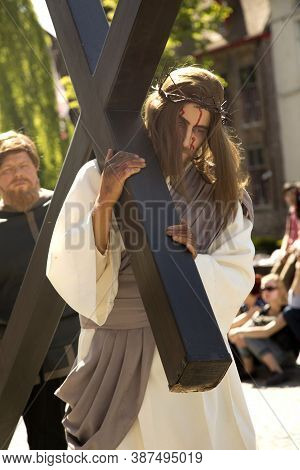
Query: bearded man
[23, 206]
[117, 394]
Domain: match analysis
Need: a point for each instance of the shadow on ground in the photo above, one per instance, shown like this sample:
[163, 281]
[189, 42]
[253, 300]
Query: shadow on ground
[262, 374]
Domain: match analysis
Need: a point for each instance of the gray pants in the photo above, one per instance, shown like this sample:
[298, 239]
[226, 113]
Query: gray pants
[261, 346]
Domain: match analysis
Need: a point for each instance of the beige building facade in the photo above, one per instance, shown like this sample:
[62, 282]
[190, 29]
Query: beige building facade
[285, 29]
[242, 54]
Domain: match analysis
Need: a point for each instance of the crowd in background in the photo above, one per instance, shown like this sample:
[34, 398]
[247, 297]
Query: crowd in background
[267, 328]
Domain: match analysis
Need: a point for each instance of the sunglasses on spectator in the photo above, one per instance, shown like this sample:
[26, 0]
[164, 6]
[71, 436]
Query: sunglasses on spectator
[269, 288]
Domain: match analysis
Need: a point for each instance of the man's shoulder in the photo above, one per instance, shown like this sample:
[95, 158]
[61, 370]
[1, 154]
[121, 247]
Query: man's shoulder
[45, 193]
[292, 312]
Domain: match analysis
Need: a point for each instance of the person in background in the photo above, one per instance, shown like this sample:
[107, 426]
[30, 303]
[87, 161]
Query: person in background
[252, 303]
[23, 206]
[273, 334]
[285, 265]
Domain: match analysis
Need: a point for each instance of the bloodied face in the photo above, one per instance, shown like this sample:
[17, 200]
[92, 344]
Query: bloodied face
[193, 122]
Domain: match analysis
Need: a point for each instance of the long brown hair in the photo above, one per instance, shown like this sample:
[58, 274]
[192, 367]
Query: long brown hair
[220, 157]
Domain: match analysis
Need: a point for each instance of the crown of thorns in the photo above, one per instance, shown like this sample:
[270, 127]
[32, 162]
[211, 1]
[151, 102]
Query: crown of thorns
[208, 102]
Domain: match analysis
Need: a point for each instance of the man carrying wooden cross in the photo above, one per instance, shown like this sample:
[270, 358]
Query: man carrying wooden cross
[117, 393]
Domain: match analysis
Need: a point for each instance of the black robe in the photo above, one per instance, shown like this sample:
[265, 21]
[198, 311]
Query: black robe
[18, 234]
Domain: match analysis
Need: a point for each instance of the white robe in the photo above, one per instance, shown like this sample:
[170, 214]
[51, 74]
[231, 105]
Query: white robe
[88, 282]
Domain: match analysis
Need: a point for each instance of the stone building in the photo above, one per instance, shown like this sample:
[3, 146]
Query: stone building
[242, 54]
[285, 29]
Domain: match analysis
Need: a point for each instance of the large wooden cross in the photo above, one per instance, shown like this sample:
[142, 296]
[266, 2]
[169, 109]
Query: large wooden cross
[111, 70]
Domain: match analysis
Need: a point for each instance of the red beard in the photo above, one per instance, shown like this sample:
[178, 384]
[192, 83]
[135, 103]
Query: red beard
[22, 198]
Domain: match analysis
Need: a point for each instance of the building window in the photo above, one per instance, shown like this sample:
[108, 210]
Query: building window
[250, 96]
[260, 177]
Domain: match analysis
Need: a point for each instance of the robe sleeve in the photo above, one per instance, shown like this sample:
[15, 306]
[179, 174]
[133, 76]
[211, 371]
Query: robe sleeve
[86, 279]
[227, 270]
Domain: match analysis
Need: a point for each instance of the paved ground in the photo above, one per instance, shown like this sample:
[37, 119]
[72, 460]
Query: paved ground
[275, 412]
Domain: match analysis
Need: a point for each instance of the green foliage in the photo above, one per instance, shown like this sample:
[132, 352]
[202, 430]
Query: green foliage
[266, 244]
[69, 92]
[27, 97]
[109, 7]
[194, 18]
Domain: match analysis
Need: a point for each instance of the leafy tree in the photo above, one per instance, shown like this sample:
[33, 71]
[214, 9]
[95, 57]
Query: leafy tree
[194, 18]
[27, 96]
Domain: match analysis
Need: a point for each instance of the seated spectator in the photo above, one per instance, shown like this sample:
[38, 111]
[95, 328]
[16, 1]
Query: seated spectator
[272, 335]
[252, 303]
